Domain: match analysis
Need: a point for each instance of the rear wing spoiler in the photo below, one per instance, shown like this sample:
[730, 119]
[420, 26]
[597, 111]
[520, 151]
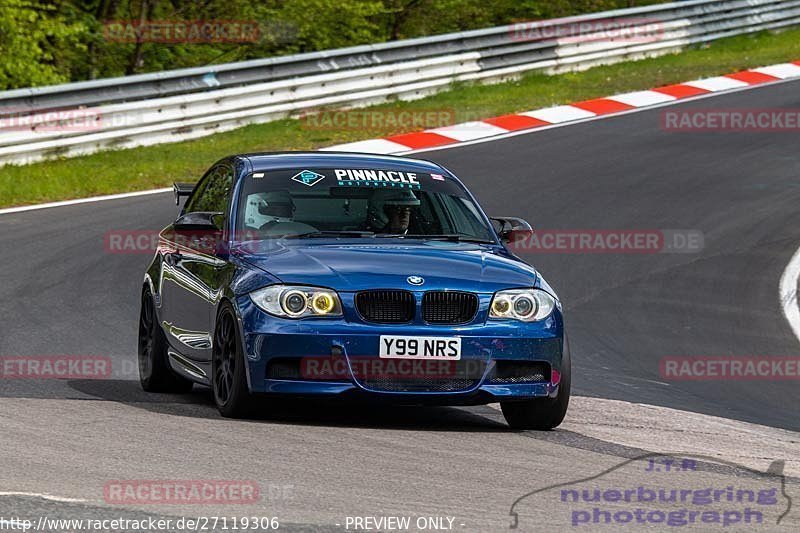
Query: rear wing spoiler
[181, 190]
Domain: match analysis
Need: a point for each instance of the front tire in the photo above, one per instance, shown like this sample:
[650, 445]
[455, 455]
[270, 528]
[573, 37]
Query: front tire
[231, 392]
[542, 414]
[155, 375]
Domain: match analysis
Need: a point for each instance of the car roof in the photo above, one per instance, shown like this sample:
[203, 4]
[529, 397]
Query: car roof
[286, 160]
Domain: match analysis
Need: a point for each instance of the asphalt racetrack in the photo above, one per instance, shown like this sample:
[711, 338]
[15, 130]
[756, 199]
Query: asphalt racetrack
[318, 464]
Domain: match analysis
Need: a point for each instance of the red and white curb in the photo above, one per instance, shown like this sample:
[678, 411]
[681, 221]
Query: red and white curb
[540, 118]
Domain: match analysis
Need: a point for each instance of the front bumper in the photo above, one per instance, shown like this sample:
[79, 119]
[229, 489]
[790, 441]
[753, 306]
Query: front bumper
[350, 347]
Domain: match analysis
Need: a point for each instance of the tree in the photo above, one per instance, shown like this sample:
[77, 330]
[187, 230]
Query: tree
[37, 44]
[53, 41]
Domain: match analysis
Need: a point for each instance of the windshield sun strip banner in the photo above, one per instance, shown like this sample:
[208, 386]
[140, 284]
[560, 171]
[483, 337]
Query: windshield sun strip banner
[354, 177]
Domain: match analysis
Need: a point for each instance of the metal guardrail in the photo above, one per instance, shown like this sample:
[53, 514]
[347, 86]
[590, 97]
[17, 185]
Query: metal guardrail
[182, 104]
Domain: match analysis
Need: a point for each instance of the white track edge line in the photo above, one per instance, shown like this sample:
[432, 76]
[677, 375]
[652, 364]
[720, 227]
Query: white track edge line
[44, 496]
[787, 291]
[78, 201]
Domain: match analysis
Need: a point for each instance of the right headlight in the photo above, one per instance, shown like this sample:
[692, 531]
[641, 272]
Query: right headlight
[527, 305]
[292, 301]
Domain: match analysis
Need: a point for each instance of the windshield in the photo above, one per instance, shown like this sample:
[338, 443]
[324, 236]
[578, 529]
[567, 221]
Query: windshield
[304, 203]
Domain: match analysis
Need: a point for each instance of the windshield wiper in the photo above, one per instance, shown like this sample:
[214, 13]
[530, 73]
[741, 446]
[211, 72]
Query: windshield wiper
[453, 237]
[317, 234]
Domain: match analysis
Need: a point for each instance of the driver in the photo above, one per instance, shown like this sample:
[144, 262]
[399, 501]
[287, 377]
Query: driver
[389, 211]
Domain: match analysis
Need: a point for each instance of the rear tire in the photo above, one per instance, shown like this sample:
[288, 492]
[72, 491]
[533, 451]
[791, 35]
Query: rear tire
[229, 376]
[542, 414]
[155, 374]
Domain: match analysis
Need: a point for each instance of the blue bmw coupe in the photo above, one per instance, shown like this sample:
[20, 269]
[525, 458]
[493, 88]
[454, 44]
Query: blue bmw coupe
[336, 274]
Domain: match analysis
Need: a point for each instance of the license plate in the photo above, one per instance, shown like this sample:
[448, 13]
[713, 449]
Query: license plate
[433, 348]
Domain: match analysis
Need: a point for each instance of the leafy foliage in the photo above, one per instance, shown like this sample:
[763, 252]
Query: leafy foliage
[52, 41]
[38, 45]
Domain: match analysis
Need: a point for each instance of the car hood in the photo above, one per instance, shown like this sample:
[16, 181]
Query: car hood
[359, 266]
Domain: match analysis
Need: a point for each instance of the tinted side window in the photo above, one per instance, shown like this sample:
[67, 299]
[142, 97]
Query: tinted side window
[191, 203]
[463, 214]
[214, 191]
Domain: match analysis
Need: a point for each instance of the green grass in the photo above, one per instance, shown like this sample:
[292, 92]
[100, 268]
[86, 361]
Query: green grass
[158, 166]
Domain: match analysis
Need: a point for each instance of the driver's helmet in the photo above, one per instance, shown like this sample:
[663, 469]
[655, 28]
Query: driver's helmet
[383, 198]
[269, 208]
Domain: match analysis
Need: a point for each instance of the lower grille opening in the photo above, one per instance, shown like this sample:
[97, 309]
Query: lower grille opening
[283, 369]
[510, 372]
[326, 368]
[420, 376]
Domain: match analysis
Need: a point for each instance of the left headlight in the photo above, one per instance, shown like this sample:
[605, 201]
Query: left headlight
[292, 301]
[527, 305]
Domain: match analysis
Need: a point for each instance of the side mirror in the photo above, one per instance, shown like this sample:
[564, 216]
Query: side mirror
[202, 221]
[512, 229]
[201, 232]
